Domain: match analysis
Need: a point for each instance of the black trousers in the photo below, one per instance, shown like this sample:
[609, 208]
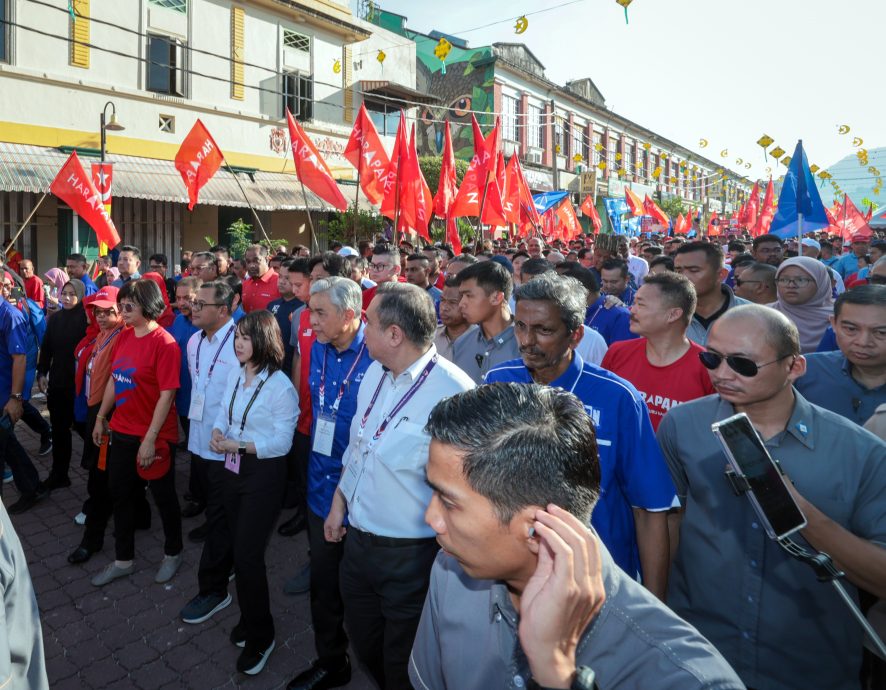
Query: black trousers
[127, 488]
[60, 403]
[252, 501]
[198, 479]
[32, 417]
[297, 473]
[383, 584]
[27, 481]
[218, 552]
[327, 607]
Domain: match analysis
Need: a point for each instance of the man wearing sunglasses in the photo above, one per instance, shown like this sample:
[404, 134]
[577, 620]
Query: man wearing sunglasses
[777, 625]
[757, 284]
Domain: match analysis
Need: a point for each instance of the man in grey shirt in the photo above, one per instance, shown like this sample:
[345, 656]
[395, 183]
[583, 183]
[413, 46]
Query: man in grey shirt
[524, 595]
[777, 625]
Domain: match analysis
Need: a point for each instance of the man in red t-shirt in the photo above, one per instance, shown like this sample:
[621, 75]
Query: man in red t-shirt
[663, 363]
[261, 287]
[33, 284]
[384, 267]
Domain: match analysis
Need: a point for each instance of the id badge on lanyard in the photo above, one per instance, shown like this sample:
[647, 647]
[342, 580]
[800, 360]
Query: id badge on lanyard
[324, 434]
[232, 462]
[195, 412]
[198, 398]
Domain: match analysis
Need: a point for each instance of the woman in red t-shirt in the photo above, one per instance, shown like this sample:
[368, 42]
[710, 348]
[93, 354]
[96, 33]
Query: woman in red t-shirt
[144, 429]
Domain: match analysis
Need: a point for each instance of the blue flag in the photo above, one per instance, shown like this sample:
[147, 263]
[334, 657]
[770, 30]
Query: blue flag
[547, 200]
[799, 195]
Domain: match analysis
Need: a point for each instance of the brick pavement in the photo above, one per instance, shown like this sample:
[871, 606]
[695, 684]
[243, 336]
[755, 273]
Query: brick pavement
[128, 633]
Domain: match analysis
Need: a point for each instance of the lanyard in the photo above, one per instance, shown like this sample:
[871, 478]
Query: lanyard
[217, 353]
[321, 392]
[96, 353]
[422, 377]
[591, 321]
[248, 405]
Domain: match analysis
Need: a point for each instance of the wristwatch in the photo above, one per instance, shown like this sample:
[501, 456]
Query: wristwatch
[242, 448]
[16, 396]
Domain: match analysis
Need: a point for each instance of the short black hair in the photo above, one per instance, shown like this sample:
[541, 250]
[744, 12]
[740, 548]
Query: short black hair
[767, 238]
[415, 256]
[79, 258]
[743, 260]
[235, 284]
[490, 276]
[615, 264]
[387, 249]
[146, 294]
[131, 249]
[713, 253]
[867, 295]
[522, 445]
[666, 261]
[735, 246]
[408, 307]
[221, 248]
[677, 290]
[300, 265]
[222, 292]
[653, 249]
[267, 341]
[161, 259]
[333, 264]
[535, 267]
[585, 276]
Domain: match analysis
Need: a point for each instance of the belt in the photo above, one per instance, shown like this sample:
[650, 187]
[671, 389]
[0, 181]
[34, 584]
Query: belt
[378, 540]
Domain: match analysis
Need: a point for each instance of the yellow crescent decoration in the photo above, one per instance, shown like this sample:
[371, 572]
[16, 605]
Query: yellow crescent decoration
[673, 180]
[873, 171]
[557, 148]
[620, 172]
[657, 172]
[602, 165]
[739, 161]
[703, 143]
[598, 146]
[577, 158]
[858, 141]
[747, 165]
[618, 156]
[843, 129]
[336, 66]
[663, 156]
[381, 56]
[521, 25]
[724, 153]
[777, 152]
[768, 171]
[765, 141]
[647, 146]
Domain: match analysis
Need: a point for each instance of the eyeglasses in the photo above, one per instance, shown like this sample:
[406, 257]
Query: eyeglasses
[795, 282]
[197, 305]
[128, 307]
[877, 280]
[769, 250]
[379, 267]
[741, 281]
[103, 312]
[740, 365]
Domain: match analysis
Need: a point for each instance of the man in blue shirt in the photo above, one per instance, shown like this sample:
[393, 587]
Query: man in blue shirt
[851, 381]
[77, 267]
[637, 491]
[614, 281]
[282, 308]
[13, 356]
[418, 272]
[610, 320]
[848, 263]
[339, 359]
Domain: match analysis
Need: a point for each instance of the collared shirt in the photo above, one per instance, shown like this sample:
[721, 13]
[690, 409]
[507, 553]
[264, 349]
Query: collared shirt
[121, 281]
[444, 345]
[475, 355]
[627, 296]
[846, 265]
[218, 354]
[271, 417]
[633, 472]
[391, 494]
[699, 327]
[182, 329]
[283, 310]
[778, 626]
[828, 383]
[13, 341]
[468, 638]
[91, 287]
[638, 267]
[259, 292]
[324, 471]
[614, 324]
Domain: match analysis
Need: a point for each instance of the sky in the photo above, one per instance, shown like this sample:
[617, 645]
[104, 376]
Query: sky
[725, 71]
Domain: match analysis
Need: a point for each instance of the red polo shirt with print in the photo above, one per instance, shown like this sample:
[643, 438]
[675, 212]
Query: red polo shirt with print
[259, 292]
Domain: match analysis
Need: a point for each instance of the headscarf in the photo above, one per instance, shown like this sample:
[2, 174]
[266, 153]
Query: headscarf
[168, 316]
[57, 277]
[811, 318]
[113, 274]
[79, 289]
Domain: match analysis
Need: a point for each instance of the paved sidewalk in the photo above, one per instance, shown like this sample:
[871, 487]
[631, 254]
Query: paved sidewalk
[128, 634]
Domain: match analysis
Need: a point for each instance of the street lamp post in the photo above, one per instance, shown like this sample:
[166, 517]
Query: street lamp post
[112, 125]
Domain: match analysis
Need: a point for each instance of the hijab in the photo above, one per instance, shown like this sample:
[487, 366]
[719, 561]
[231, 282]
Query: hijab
[812, 317]
[57, 277]
[168, 316]
[113, 274]
[79, 289]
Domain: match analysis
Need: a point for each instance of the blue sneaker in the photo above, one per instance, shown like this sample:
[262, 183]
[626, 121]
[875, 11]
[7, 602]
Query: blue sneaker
[7, 475]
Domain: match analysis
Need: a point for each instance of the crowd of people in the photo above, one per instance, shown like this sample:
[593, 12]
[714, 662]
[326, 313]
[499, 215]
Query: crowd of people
[503, 459]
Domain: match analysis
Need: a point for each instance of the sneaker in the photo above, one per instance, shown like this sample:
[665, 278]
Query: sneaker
[168, 568]
[45, 446]
[111, 573]
[203, 607]
[80, 518]
[238, 636]
[26, 502]
[7, 475]
[299, 583]
[321, 675]
[252, 660]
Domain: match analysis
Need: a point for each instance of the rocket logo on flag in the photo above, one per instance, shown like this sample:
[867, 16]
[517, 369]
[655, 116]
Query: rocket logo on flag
[197, 160]
[75, 188]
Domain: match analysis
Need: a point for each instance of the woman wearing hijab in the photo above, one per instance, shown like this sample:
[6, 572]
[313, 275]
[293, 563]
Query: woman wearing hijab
[55, 281]
[168, 316]
[803, 286]
[56, 366]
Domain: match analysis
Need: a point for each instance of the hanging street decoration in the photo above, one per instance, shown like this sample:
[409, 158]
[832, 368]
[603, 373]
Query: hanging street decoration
[521, 25]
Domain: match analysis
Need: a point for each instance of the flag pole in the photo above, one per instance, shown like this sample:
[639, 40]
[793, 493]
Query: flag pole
[800, 234]
[314, 242]
[24, 225]
[357, 197]
[482, 206]
[248, 203]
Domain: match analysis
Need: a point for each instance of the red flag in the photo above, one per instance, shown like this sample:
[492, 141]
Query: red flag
[851, 221]
[528, 214]
[311, 169]
[366, 153]
[634, 203]
[654, 210]
[767, 212]
[198, 159]
[511, 198]
[390, 202]
[588, 208]
[476, 180]
[678, 225]
[714, 226]
[416, 203]
[570, 227]
[753, 207]
[869, 214]
[448, 186]
[73, 186]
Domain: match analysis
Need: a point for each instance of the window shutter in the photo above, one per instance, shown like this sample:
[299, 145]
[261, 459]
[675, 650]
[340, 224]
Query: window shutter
[237, 48]
[80, 34]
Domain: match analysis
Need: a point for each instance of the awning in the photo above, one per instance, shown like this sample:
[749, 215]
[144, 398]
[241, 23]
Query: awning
[393, 90]
[25, 168]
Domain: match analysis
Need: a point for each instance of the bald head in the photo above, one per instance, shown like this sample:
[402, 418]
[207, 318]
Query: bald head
[776, 329]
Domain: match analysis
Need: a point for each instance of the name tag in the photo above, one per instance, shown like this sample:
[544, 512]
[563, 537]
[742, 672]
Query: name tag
[324, 434]
[195, 412]
[350, 478]
[232, 462]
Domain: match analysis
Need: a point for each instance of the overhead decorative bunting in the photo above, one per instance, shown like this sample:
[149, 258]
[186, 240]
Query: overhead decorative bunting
[777, 152]
[336, 66]
[647, 146]
[625, 3]
[857, 141]
[441, 50]
[724, 153]
[786, 161]
[843, 129]
[381, 57]
[813, 169]
[703, 143]
[521, 25]
[765, 141]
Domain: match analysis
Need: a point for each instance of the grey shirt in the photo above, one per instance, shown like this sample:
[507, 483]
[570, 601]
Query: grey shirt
[467, 638]
[475, 355]
[698, 332]
[773, 621]
[445, 346]
[22, 662]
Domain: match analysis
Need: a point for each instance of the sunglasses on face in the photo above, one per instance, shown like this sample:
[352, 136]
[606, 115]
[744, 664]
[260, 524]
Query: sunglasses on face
[740, 365]
[128, 307]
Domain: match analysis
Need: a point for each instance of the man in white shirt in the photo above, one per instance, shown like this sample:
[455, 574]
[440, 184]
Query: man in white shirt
[211, 359]
[390, 549]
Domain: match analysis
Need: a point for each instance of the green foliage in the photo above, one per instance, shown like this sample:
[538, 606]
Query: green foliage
[240, 237]
[430, 168]
[466, 230]
[340, 227]
[673, 206]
